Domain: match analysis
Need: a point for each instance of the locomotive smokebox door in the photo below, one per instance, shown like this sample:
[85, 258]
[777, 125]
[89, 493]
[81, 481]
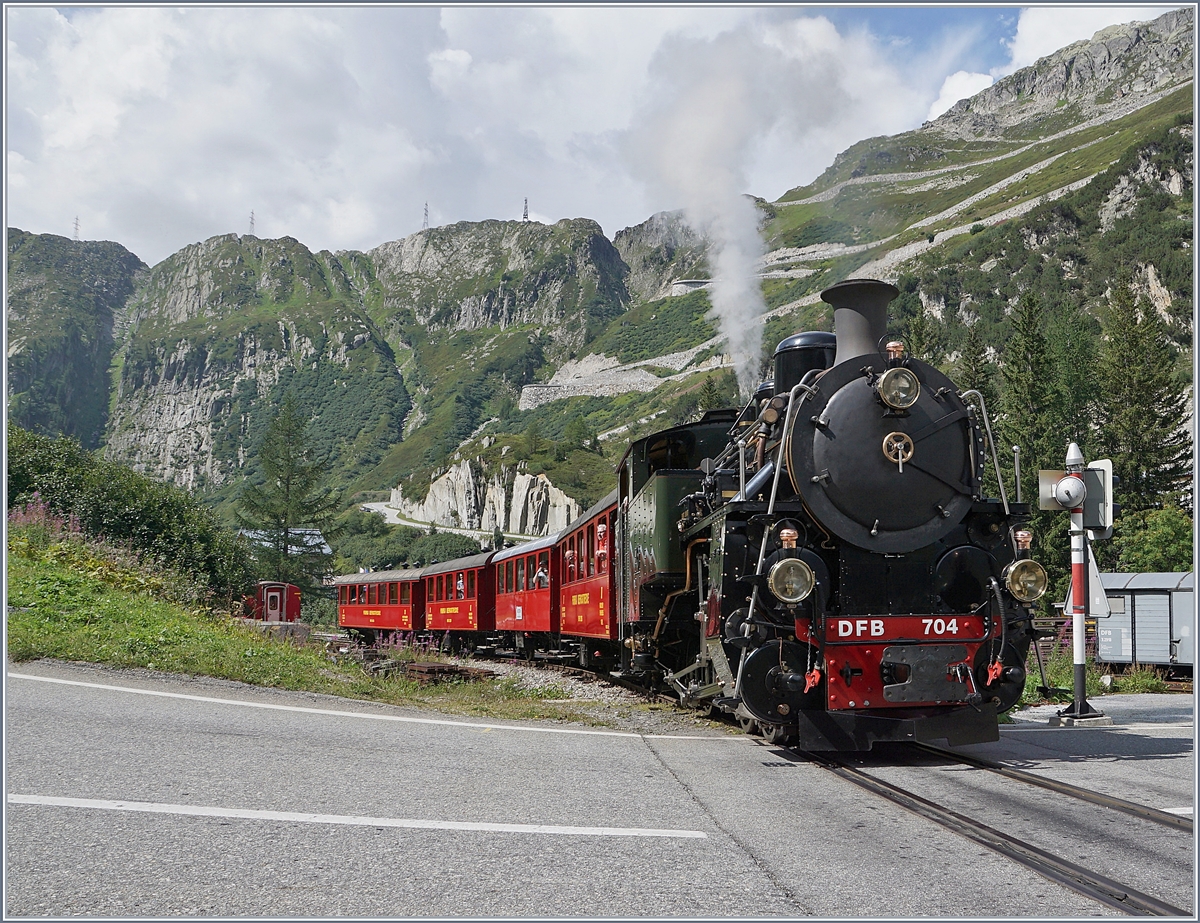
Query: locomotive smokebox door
[884, 479]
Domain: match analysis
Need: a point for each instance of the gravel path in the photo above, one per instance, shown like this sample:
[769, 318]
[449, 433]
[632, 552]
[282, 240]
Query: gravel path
[622, 708]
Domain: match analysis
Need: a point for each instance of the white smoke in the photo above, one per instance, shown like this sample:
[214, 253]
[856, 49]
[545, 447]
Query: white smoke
[713, 104]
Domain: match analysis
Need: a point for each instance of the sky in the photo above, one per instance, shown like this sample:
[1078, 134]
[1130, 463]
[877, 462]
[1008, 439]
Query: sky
[158, 127]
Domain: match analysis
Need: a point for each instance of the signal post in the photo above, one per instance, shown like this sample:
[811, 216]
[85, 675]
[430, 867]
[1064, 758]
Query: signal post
[1069, 490]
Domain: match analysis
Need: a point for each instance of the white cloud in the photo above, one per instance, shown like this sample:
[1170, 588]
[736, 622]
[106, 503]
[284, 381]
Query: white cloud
[159, 126]
[1044, 30]
[959, 85]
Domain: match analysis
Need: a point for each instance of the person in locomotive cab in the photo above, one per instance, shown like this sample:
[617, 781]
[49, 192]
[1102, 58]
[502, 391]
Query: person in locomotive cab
[601, 548]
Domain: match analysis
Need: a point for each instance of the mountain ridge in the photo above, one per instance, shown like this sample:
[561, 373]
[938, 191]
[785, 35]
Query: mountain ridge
[477, 343]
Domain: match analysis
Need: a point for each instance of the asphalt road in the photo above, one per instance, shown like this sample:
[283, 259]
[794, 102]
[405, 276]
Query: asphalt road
[136, 795]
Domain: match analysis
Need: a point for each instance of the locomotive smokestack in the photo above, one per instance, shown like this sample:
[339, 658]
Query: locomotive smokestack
[859, 316]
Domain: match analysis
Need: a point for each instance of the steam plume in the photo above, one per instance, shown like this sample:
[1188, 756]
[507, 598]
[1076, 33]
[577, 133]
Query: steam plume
[711, 103]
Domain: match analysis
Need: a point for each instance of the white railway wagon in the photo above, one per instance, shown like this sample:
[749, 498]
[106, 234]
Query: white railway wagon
[1151, 620]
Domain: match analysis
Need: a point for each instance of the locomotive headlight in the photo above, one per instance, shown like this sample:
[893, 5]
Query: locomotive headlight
[791, 580]
[1026, 580]
[899, 388]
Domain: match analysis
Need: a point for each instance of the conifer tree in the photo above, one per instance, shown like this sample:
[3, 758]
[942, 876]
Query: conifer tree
[291, 500]
[974, 371]
[533, 439]
[1142, 411]
[1029, 418]
[1027, 402]
[1071, 344]
[576, 432]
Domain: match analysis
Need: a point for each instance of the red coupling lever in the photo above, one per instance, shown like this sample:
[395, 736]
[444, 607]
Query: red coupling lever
[994, 671]
[811, 678]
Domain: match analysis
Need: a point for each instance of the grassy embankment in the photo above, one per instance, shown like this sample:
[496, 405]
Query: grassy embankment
[76, 599]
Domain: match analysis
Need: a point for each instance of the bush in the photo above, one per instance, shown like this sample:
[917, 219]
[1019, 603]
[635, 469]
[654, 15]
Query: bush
[112, 502]
[1060, 673]
[36, 534]
[318, 611]
[1139, 679]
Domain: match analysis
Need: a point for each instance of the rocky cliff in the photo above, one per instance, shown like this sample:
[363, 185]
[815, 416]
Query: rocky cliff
[565, 278]
[218, 332]
[63, 299]
[1106, 72]
[660, 250]
[511, 500]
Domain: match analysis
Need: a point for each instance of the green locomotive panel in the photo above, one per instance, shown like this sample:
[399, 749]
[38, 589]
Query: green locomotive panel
[658, 556]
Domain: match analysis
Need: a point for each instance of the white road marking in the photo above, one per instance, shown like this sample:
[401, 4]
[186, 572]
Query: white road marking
[1148, 726]
[151, 807]
[355, 714]
[1181, 811]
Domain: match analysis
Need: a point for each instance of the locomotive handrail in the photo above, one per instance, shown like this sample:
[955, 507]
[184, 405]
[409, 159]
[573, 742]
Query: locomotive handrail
[762, 549]
[787, 430]
[987, 425]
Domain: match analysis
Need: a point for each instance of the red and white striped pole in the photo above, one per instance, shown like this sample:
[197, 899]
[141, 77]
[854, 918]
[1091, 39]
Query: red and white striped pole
[1070, 492]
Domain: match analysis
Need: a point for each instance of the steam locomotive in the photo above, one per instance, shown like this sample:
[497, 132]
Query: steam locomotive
[821, 564]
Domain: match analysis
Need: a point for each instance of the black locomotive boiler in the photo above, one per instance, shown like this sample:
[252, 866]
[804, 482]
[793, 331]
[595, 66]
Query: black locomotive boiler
[824, 564]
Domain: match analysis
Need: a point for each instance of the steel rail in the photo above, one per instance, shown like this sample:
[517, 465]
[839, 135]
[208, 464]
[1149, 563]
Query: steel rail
[1064, 788]
[1097, 887]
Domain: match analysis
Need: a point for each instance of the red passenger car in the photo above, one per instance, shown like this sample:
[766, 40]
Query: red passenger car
[391, 600]
[585, 553]
[525, 602]
[460, 595]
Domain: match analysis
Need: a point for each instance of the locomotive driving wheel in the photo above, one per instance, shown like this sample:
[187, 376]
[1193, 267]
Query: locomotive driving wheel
[779, 735]
[749, 726]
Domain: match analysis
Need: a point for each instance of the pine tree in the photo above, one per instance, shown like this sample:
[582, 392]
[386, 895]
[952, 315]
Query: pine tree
[1142, 411]
[974, 371]
[710, 395]
[533, 439]
[1071, 343]
[290, 502]
[1027, 405]
[576, 433]
[919, 337]
[1029, 418]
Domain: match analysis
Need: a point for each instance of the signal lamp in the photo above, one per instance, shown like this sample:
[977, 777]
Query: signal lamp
[899, 388]
[1070, 492]
[791, 580]
[1026, 580]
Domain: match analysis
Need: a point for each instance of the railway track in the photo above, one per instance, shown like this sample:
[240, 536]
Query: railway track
[1089, 883]
[1145, 812]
